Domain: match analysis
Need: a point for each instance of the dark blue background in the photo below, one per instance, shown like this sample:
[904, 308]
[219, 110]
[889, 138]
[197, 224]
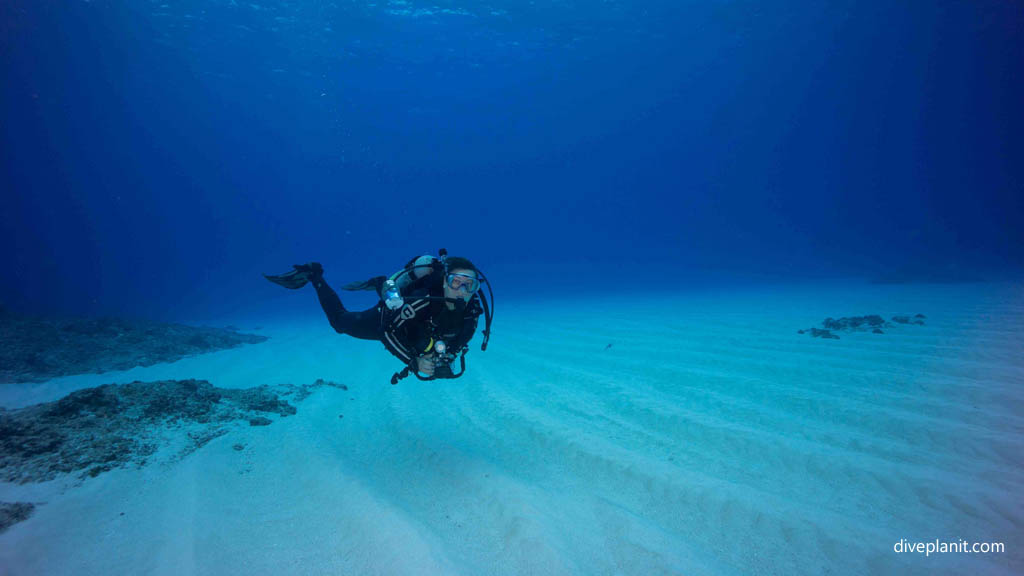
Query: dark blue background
[157, 157]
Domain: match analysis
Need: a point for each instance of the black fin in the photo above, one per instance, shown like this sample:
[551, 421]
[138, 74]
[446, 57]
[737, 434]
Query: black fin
[374, 284]
[298, 277]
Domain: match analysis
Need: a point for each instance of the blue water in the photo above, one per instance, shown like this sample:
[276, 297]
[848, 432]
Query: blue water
[661, 193]
[158, 156]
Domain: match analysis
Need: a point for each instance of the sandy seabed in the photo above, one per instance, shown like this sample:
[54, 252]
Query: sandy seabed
[690, 433]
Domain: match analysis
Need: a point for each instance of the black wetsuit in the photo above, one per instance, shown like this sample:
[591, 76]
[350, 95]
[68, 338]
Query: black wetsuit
[410, 331]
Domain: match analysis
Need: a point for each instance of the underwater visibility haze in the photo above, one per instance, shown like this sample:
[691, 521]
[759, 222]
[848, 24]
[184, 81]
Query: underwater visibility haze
[757, 273]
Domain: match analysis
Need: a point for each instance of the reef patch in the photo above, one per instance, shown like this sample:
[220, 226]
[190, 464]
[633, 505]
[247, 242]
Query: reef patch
[873, 323]
[94, 430]
[37, 349]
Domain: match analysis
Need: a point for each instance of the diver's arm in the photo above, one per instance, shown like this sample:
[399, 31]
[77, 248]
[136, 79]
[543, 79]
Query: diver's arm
[465, 333]
[419, 341]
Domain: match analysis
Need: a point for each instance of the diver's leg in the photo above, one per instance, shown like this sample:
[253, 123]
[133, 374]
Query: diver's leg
[364, 325]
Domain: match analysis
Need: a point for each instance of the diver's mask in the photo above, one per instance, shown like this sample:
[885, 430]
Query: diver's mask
[462, 282]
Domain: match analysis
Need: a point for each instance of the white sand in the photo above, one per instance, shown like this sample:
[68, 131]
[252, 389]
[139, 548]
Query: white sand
[710, 438]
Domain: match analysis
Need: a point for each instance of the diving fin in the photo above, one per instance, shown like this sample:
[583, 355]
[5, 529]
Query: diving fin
[374, 284]
[297, 278]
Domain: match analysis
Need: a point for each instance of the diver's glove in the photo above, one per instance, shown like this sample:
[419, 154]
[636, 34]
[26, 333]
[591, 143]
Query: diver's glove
[425, 364]
[298, 277]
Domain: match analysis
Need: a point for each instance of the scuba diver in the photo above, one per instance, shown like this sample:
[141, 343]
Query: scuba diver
[426, 315]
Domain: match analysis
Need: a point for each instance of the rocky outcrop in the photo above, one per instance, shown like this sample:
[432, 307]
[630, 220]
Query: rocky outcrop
[872, 322]
[91, 431]
[13, 512]
[916, 319]
[853, 322]
[35, 349]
